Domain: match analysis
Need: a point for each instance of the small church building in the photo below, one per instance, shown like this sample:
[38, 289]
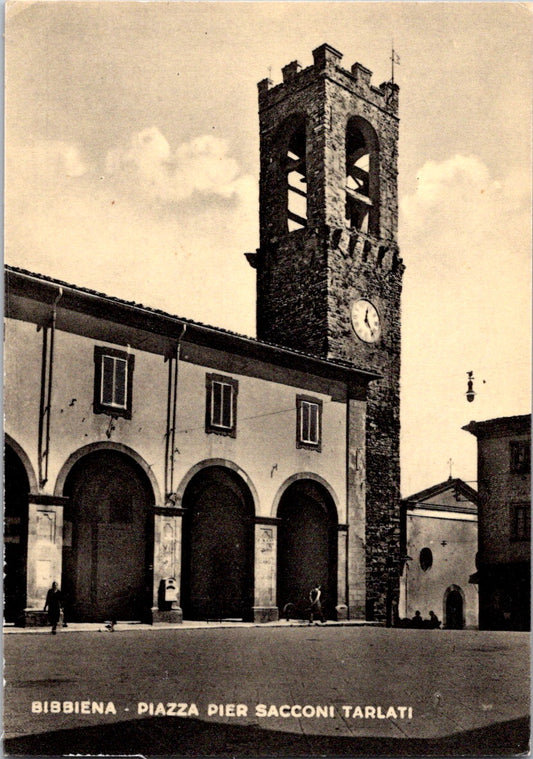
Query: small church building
[439, 550]
[160, 469]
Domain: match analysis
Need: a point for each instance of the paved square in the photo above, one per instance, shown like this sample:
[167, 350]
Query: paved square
[301, 690]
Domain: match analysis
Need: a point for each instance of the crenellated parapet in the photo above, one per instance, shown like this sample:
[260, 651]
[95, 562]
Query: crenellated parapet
[326, 63]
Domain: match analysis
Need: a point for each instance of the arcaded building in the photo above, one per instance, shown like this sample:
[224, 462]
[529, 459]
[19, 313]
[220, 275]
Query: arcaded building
[504, 486]
[162, 469]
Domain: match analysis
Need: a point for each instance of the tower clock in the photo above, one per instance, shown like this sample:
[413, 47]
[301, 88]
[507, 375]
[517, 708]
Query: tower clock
[328, 267]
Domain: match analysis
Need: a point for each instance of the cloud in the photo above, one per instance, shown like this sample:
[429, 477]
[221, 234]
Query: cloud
[135, 233]
[149, 166]
[55, 157]
[465, 213]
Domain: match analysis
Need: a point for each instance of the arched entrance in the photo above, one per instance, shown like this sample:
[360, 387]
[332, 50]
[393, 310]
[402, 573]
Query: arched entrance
[218, 546]
[108, 539]
[307, 546]
[454, 608]
[16, 492]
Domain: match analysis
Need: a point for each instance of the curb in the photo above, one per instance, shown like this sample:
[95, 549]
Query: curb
[96, 627]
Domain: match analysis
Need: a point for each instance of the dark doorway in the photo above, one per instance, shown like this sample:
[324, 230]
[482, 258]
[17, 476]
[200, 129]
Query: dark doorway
[218, 546]
[454, 610]
[108, 539]
[307, 547]
[16, 492]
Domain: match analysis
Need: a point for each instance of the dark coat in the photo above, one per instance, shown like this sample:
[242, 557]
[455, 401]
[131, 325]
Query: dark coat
[53, 604]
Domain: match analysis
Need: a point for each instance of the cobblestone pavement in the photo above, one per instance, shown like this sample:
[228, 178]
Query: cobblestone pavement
[467, 692]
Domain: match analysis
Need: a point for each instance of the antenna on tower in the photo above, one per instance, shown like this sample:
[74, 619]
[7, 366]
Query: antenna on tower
[395, 59]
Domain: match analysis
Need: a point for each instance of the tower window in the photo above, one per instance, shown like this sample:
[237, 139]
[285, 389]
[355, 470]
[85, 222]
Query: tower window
[221, 405]
[296, 181]
[113, 382]
[308, 422]
[361, 177]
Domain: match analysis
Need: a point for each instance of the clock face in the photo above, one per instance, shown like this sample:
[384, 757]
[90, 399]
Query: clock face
[365, 320]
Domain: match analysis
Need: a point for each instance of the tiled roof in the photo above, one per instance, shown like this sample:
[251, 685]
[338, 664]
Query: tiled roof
[165, 315]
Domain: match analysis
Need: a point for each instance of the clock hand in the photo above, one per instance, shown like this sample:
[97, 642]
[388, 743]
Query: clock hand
[368, 323]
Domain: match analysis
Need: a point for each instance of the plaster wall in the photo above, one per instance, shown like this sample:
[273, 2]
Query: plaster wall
[265, 445]
[453, 564]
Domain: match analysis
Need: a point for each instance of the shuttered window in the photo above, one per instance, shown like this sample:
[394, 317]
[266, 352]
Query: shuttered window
[308, 422]
[221, 405]
[113, 382]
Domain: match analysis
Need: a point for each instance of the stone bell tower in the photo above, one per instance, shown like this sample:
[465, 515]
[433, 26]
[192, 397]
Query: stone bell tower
[329, 272]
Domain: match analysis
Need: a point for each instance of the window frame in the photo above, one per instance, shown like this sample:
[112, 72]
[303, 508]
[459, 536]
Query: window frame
[301, 402]
[210, 426]
[99, 407]
[518, 463]
[517, 535]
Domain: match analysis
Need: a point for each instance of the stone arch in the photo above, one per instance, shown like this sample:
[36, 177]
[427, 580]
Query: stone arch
[303, 476]
[227, 464]
[109, 535]
[110, 446]
[25, 460]
[286, 173]
[18, 484]
[454, 608]
[307, 552]
[217, 577]
[362, 176]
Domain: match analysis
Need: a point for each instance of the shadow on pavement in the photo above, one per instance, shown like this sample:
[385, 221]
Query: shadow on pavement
[161, 736]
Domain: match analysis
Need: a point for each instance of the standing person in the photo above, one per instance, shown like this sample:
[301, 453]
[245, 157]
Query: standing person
[316, 605]
[54, 606]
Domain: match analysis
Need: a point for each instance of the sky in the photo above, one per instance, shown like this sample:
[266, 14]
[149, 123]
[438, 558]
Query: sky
[132, 162]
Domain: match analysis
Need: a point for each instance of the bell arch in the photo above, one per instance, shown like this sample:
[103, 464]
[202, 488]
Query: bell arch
[362, 176]
[295, 168]
[285, 175]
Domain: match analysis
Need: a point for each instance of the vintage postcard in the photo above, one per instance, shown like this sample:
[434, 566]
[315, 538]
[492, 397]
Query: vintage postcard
[267, 378]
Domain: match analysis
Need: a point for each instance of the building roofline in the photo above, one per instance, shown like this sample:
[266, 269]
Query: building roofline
[460, 487]
[456, 482]
[513, 425]
[41, 287]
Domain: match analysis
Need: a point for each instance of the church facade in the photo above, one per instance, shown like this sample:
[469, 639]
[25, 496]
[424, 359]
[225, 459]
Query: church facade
[161, 469]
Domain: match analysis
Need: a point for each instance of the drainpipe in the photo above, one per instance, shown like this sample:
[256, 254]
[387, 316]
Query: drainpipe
[174, 408]
[43, 477]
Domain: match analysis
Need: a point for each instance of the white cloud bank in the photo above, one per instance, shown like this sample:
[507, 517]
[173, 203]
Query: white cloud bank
[199, 166]
[166, 227]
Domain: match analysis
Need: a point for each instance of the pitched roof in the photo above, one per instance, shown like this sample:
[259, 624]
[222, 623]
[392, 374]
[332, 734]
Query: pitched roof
[463, 493]
[85, 300]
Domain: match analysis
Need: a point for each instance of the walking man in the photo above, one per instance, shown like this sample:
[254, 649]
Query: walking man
[316, 605]
[53, 605]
